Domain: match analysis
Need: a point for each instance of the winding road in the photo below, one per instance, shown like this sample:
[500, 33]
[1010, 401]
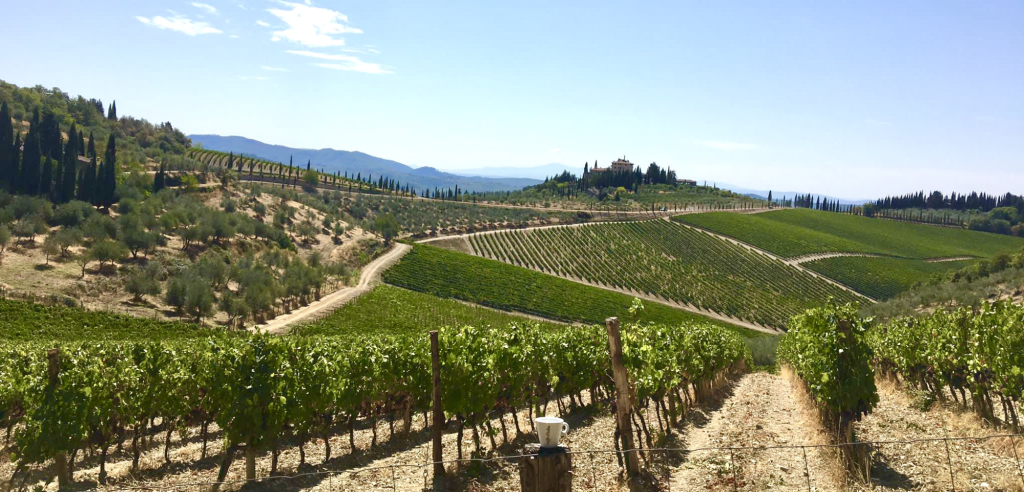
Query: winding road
[368, 279]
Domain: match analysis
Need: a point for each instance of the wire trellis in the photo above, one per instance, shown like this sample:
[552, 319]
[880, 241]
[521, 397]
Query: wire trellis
[330, 475]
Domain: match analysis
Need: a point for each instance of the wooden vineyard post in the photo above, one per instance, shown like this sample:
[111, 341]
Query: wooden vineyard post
[438, 417]
[622, 402]
[545, 469]
[60, 461]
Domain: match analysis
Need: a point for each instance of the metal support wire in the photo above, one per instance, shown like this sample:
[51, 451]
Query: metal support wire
[330, 475]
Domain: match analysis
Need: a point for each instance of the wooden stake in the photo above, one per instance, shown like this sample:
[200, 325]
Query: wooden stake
[545, 469]
[60, 461]
[622, 397]
[438, 417]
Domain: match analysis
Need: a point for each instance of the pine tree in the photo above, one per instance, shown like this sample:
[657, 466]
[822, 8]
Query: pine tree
[6, 144]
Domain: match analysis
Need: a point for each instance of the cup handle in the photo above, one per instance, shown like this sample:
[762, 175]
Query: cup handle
[565, 428]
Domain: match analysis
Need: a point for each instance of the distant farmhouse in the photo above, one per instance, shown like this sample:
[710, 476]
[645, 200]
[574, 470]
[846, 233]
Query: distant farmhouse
[619, 166]
[687, 182]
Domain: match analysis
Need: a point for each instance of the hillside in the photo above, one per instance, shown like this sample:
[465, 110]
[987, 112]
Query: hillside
[668, 261]
[331, 160]
[795, 232]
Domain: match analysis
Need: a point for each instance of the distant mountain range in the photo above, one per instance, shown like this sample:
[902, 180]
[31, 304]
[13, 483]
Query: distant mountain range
[353, 163]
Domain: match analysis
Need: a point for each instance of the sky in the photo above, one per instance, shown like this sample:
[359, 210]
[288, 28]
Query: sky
[850, 99]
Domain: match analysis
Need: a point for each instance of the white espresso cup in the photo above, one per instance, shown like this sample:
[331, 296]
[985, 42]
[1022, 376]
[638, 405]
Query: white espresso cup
[550, 430]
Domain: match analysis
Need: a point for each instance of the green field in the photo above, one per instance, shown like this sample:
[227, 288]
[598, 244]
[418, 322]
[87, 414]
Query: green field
[492, 283]
[796, 232]
[25, 321]
[669, 260]
[389, 309]
[880, 277]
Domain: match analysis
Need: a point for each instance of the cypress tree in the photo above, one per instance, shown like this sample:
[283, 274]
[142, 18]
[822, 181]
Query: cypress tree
[81, 143]
[13, 172]
[30, 162]
[6, 143]
[92, 145]
[87, 184]
[160, 181]
[112, 113]
[70, 171]
[46, 177]
[108, 178]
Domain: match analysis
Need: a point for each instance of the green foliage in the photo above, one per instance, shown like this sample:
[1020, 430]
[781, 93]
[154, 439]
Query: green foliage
[386, 226]
[880, 277]
[398, 311]
[491, 283]
[976, 352]
[28, 322]
[258, 388]
[668, 260]
[826, 347]
[797, 232]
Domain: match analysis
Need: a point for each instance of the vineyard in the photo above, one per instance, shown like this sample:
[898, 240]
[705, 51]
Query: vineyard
[25, 321]
[667, 260]
[393, 310]
[264, 392]
[796, 232]
[976, 355]
[492, 283]
[881, 277]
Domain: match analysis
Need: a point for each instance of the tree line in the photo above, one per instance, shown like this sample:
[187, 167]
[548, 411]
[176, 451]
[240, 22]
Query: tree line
[46, 165]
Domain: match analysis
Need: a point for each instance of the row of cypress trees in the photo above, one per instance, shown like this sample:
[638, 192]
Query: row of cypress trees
[44, 164]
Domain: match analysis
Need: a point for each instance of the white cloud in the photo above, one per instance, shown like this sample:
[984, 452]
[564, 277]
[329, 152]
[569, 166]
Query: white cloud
[180, 24]
[262, 23]
[273, 69]
[348, 63]
[249, 77]
[210, 9]
[312, 26]
[234, 36]
[721, 145]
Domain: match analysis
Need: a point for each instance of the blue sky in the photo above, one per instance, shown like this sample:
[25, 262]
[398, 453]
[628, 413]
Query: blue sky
[854, 99]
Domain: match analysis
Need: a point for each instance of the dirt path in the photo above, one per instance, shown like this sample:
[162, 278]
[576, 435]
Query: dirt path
[797, 260]
[950, 258]
[368, 278]
[761, 409]
[925, 465]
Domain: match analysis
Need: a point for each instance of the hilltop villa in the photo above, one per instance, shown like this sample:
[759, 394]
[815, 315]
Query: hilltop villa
[619, 166]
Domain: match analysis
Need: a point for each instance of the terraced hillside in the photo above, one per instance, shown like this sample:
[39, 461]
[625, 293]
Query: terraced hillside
[669, 261]
[796, 232]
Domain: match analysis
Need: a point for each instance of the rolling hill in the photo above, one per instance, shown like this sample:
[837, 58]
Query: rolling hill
[331, 160]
